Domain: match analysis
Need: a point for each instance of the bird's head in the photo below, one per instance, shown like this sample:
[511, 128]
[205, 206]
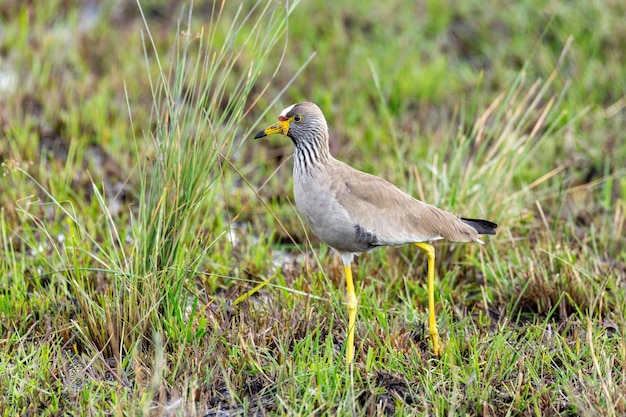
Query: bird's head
[299, 122]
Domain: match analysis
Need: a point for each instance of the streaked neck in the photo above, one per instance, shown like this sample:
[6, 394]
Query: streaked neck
[312, 155]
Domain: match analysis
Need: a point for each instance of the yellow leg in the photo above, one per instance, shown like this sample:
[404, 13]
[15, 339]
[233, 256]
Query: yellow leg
[432, 322]
[352, 303]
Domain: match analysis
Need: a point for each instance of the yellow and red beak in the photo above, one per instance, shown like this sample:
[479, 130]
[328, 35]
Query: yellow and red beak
[282, 126]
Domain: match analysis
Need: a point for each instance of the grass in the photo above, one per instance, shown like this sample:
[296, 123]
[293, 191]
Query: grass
[137, 214]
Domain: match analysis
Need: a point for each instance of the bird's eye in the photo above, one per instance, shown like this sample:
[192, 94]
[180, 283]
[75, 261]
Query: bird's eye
[297, 118]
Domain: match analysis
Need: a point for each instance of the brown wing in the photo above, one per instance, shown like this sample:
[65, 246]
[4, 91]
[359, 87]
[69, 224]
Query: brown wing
[390, 214]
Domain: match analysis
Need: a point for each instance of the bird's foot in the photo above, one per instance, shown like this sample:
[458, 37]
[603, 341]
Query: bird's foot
[434, 336]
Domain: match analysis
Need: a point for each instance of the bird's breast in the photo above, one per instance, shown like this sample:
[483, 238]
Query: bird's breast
[331, 223]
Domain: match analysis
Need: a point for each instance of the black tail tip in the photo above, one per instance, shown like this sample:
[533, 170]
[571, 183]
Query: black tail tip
[483, 227]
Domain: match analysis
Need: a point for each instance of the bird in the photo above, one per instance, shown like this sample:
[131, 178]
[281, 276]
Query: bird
[354, 212]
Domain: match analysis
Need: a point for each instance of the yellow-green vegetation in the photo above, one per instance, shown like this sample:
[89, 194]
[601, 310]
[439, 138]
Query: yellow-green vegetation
[136, 210]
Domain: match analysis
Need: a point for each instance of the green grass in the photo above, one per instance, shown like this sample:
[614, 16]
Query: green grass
[136, 210]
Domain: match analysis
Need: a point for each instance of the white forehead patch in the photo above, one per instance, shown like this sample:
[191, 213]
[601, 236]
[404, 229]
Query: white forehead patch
[287, 110]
